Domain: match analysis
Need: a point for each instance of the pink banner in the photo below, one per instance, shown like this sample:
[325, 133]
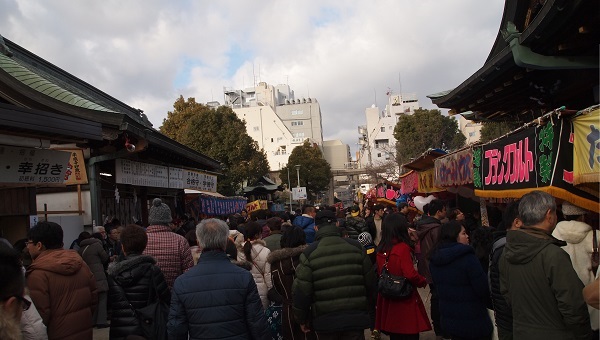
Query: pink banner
[410, 183]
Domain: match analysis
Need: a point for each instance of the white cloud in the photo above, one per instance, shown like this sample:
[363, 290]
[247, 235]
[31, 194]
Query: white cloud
[343, 53]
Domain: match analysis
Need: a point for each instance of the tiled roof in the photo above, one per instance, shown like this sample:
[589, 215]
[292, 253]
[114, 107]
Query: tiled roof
[43, 85]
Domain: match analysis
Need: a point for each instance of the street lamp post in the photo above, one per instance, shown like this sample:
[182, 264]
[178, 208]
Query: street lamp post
[289, 188]
[298, 173]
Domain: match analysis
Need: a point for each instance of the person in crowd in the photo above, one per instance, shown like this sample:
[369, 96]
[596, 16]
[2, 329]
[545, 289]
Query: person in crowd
[234, 233]
[171, 251]
[366, 241]
[537, 278]
[82, 236]
[367, 213]
[307, 222]
[99, 232]
[482, 239]
[374, 224]
[61, 285]
[456, 214]
[96, 258]
[334, 281]
[428, 233]
[244, 215]
[580, 246]
[194, 248]
[273, 241]
[283, 272]
[216, 298]
[502, 311]
[355, 225]
[404, 209]
[131, 282]
[114, 245]
[462, 285]
[591, 293]
[255, 251]
[395, 251]
[12, 300]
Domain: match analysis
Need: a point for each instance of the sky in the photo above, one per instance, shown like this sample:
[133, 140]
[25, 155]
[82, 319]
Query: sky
[345, 53]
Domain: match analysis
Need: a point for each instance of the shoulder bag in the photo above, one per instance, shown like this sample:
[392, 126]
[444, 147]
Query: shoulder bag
[595, 256]
[154, 316]
[392, 286]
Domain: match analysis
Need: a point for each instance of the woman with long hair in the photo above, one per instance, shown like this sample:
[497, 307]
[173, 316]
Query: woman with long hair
[255, 251]
[395, 251]
[462, 285]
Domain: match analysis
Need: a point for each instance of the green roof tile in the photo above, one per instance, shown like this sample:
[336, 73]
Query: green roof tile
[43, 85]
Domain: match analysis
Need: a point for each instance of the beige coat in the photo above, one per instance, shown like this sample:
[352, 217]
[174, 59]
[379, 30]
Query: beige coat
[261, 268]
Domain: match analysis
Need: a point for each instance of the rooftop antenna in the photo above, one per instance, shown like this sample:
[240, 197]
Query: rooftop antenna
[253, 75]
[375, 92]
[400, 83]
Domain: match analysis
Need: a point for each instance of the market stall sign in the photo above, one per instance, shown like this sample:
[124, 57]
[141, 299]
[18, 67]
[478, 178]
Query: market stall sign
[256, 205]
[455, 169]
[32, 166]
[76, 173]
[409, 182]
[220, 206]
[535, 158]
[159, 176]
[427, 183]
[586, 148]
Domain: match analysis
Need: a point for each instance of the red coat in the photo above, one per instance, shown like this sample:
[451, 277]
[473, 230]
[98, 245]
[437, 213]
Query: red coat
[406, 316]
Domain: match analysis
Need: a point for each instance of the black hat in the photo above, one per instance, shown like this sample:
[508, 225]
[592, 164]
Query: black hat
[325, 217]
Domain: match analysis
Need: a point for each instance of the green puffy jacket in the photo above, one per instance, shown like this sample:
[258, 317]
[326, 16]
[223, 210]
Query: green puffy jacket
[332, 283]
[538, 280]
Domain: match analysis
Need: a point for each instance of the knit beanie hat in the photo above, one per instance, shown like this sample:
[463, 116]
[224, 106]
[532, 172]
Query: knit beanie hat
[365, 239]
[569, 209]
[160, 213]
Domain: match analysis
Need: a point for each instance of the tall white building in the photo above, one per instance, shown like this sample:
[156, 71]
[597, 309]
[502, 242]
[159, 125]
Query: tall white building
[470, 129]
[276, 119]
[377, 144]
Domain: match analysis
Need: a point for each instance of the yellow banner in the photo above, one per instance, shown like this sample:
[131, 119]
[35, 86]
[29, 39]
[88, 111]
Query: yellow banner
[76, 173]
[586, 148]
[256, 205]
[427, 183]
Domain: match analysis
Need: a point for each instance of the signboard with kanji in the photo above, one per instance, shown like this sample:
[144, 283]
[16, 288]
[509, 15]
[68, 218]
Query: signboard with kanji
[32, 166]
[299, 193]
[142, 174]
[76, 173]
[199, 181]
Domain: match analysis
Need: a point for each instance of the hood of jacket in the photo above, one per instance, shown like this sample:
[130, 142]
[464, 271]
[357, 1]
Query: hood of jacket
[60, 261]
[284, 253]
[524, 244]
[243, 264]
[128, 271]
[425, 225]
[327, 230]
[303, 221]
[449, 252]
[89, 241]
[571, 231]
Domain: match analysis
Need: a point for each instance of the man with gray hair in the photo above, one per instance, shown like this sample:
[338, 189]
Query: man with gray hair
[537, 278]
[216, 298]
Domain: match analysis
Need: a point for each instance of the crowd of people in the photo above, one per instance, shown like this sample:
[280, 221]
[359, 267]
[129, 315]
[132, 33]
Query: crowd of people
[309, 275]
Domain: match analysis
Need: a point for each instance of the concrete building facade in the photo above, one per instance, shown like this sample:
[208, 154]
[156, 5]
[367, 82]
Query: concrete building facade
[377, 144]
[276, 119]
[470, 129]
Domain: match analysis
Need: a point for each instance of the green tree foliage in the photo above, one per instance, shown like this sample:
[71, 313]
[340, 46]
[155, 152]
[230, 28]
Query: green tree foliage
[423, 130]
[493, 130]
[315, 172]
[219, 134]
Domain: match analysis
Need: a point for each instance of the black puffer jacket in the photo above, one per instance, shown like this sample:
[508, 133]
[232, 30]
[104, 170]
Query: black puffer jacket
[355, 226]
[502, 310]
[131, 282]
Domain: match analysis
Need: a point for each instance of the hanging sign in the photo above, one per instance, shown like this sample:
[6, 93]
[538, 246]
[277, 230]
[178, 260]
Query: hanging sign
[299, 193]
[455, 169]
[35, 166]
[199, 181]
[176, 178]
[586, 148]
[536, 158]
[426, 182]
[142, 174]
[409, 182]
[76, 173]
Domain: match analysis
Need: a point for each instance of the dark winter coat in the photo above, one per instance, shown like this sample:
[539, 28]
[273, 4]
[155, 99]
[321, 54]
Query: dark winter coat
[414, 316]
[131, 282]
[538, 279]
[93, 254]
[333, 282]
[355, 226]
[308, 225]
[428, 231]
[463, 291]
[216, 300]
[283, 272]
[502, 310]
